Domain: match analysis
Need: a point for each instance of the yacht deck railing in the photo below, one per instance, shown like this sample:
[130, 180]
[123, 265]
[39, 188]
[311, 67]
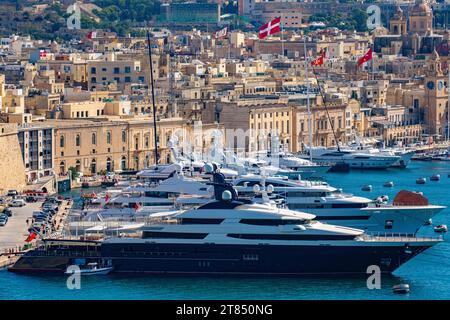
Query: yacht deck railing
[398, 237]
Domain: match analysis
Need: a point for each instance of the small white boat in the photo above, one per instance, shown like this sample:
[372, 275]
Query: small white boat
[401, 288]
[421, 181]
[442, 228]
[388, 184]
[91, 269]
[435, 177]
[429, 222]
[366, 187]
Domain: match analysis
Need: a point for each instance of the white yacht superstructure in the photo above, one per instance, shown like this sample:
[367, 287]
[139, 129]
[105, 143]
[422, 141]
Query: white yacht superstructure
[330, 205]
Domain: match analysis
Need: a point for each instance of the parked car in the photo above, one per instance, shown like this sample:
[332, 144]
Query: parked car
[18, 203]
[3, 222]
[8, 212]
[3, 202]
[50, 213]
[31, 199]
[48, 206]
[4, 216]
[35, 228]
[12, 193]
[42, 220]
[37, 213]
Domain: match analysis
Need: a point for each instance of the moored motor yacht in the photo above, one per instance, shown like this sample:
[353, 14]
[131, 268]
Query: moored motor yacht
[330, 205]
[230, 236]
[354, 159]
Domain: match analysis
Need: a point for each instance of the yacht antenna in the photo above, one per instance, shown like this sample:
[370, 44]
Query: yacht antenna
[307, 101]
[152, 84]
[326, 108]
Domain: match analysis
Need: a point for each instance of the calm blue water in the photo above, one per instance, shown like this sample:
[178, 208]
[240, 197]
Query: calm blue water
[427, 274]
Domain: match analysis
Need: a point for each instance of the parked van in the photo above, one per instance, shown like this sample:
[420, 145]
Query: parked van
[18, 203]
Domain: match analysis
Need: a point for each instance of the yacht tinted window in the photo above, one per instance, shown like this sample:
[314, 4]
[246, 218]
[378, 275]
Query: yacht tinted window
[156, 194]
[200, 221]
[290, 236]
[349, 205]
[272, 222]
[173, 235]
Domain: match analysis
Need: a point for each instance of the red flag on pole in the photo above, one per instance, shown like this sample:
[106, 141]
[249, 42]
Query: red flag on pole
[92, 35]
[269, 28]
[136, 206]
[106, 197]
[319, 61]
[31, 237]
[365, 58]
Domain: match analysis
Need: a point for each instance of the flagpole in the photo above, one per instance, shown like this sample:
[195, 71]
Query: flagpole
[373, 65]
[152, 86]
[307, 100]
[448, 105]
[282, 41]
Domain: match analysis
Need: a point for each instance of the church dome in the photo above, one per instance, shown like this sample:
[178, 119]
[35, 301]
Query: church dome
[420, 9]
[380, 31]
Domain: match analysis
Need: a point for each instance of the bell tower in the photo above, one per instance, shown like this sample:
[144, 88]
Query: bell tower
[398, 24]
[435, 96]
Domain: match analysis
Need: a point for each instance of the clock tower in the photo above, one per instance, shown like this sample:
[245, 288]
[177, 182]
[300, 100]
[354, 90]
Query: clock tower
[435, 96]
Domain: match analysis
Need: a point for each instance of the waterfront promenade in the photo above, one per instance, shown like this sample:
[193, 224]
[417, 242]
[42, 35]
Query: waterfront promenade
[13, 235]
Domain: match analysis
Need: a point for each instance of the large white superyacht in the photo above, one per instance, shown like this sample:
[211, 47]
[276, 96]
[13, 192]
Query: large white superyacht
[331, 205]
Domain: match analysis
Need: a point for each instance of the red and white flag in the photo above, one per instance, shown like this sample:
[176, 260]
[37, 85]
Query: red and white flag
[319, 61]
[365, 58]
[42, 54]
[222, 33]
[269, 28]
[92, 35]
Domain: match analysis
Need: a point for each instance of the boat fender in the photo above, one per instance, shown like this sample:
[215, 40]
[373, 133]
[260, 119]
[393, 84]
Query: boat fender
[226, 195]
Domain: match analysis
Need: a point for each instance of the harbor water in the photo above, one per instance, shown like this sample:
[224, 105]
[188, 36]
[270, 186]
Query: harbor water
[427, 274]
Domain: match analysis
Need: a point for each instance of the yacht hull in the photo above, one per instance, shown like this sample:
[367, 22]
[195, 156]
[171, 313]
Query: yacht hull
[256, 259]
[141, 256]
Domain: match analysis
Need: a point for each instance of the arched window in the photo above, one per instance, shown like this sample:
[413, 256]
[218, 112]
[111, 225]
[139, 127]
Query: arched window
[78, 140]
[123, 163]
[136, 163]
[61, 141]
[108, 137]
[78, 165]
[124, 136]
[62, 167]
[93, 166]
[108, 165]
[94, 139]
[147, 161]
